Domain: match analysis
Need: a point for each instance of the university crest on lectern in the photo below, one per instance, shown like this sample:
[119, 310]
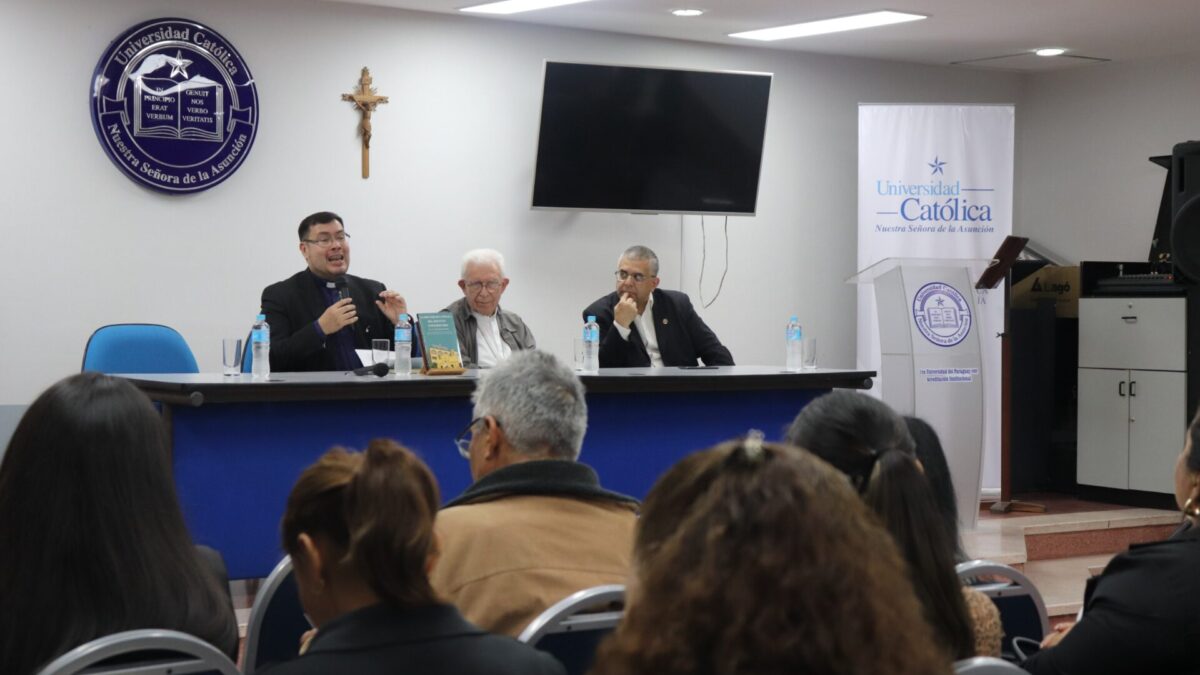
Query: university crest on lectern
[941, 314]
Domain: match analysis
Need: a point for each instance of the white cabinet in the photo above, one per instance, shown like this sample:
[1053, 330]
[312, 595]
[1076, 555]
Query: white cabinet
[1157, 426]
[1132, 392]
[1103, 438]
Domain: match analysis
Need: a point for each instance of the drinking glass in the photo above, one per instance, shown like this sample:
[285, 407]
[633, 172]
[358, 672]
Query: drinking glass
[579, 357]
[808, 351]
[380, 350]
[231, 355]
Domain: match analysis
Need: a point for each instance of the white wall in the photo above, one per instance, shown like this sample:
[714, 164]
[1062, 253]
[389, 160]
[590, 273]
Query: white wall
[451, 169]
[1087, 191]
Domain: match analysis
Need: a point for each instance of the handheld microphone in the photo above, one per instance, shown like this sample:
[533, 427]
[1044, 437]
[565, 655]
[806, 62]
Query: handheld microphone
[343, 288]
[378, 370]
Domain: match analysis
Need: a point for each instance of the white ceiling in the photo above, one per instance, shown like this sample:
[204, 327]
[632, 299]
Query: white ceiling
[956, 30]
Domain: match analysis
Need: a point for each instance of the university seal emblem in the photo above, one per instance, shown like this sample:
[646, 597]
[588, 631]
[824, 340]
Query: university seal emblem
[942, 314]
[174, 105]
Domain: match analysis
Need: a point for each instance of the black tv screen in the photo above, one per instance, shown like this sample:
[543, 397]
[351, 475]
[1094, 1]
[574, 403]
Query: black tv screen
[618, 138]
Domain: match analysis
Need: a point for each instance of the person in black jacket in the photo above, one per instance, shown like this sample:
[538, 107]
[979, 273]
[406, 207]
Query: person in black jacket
[643, 325]
[1140, 615]
[359, 529]
[313, 325]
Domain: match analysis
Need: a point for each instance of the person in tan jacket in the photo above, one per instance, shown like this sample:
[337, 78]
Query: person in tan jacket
[535, 526]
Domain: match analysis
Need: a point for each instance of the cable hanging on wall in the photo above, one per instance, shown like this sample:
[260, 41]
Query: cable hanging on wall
[704, 259]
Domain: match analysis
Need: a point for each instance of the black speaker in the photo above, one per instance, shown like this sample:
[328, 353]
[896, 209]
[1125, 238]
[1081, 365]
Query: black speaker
[1185, 210]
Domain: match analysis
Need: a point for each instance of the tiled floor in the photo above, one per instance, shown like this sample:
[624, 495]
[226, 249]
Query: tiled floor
[1002, 538]
[1053, 503]
[1061, 582]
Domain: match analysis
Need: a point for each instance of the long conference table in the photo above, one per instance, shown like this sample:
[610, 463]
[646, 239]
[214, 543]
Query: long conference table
[238, 445]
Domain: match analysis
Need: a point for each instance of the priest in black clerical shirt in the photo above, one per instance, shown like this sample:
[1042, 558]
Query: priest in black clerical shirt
[312, 326]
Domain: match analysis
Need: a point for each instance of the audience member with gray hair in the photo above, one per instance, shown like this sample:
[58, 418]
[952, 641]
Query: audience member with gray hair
[487, 335]
[535, 526]
[644, 325]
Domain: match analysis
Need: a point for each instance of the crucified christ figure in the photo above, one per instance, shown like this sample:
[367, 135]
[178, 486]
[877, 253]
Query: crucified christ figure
[365, 100]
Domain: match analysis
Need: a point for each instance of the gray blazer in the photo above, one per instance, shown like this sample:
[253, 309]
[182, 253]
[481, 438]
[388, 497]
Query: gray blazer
[513, 331]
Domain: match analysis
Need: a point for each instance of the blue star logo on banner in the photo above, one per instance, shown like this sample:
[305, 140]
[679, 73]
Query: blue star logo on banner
[937, 166]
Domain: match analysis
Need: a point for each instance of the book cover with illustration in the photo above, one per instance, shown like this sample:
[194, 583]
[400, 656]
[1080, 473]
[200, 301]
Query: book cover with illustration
[439, 343]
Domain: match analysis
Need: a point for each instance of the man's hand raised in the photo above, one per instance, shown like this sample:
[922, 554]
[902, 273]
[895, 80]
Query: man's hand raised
[392, 305]
[337, 316]
[625, 311]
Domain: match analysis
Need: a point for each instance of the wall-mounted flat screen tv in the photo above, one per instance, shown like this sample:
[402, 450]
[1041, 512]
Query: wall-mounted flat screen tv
[653, 140]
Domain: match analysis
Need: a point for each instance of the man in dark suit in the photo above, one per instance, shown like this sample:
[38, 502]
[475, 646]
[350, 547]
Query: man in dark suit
[643, 325]
[313, 326]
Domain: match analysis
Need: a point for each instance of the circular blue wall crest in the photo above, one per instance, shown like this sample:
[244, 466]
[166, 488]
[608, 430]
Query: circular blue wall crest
[942, 314]
[174, 105]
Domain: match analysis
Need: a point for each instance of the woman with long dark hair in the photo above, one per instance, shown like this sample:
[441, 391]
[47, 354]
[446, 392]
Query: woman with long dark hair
[754, 557]
[937, 472]
[92, 538]
[359, 529]
[867, 441]
[985, 617]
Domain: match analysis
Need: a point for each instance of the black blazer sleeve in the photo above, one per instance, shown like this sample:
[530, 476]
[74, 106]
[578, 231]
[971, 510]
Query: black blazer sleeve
[1099, 643]
[708, 347]
[227, 638]
[1139, 616]
[372, 324]
[295, 341]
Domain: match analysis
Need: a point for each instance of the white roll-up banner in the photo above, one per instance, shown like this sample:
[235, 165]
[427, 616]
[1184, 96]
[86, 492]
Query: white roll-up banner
[936, 182]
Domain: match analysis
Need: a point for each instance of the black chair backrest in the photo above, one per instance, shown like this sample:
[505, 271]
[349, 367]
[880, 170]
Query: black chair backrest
[1022, 610]
[575, 650]
[571, 629]
[277, 621]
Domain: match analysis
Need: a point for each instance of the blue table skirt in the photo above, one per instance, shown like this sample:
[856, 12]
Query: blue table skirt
[236, 462]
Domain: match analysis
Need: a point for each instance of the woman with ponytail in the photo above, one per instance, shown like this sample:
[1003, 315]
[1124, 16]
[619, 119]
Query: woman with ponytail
[359, 529]
[868, 442]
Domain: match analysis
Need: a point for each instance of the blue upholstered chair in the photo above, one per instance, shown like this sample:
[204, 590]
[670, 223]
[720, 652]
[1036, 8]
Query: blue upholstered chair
[276, 621]
[571, 629]
[143, 652]
[247, 354]
[138, 348]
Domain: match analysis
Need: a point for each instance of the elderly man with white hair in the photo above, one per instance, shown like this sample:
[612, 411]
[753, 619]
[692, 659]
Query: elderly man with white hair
[536, 525]
[487, 335]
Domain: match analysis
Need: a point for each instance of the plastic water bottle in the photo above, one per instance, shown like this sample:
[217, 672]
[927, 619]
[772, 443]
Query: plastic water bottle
[403, 346]
[591, 346]
[795, 342]
[260, 339]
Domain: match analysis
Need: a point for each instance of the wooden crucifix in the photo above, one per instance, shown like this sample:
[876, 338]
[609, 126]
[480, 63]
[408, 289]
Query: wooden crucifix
[365, 100]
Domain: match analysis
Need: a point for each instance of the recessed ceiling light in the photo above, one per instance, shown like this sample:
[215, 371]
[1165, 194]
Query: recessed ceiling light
[514, 6]
[855, 22]
[1050, 51]
[687, 12]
